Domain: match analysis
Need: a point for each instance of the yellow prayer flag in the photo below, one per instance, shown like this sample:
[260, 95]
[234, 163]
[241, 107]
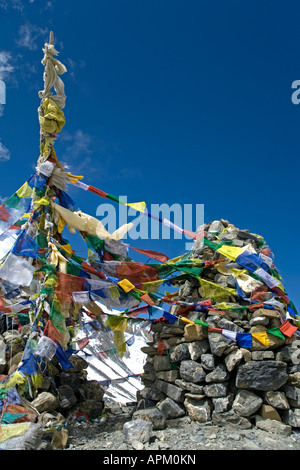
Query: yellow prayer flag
[16, 379]
[174, 260]
[222, 306]
[137, 206]
[126, 285]
[152, 286]
[53, 119]
[262, 337]
[61, 224]
[24, 191]
[67, 248]
[114, 292]
[50, 282]
[170, 295]
[231, 252]
[8, 431]
[186, 320]
[44, 201]
[116, 323]
[216, 292]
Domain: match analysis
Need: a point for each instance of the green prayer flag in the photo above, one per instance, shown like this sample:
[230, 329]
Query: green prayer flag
[113, 198]
[13, 201]
[73, 269]
[8, 418]
[47, 269]
[276, 332]
[210, 244]
[94, 242]
[55, 316]
[199, 322]
[41, 240]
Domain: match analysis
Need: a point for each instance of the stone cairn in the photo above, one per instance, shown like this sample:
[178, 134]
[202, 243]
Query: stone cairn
[60, 395]
[190, 371]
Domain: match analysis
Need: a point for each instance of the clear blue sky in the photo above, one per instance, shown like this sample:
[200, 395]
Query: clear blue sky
[168, 101]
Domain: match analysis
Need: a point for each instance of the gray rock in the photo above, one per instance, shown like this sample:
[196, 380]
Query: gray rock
[287, 353]
[216, 227]
[273, 426]
[218, 343]
[171, 409]
[45, 401]
[180, 353]
[198, 410]
[230, 281]
[262, 355]
[168, 375]
[153, 416]
[293, 395]
[137, 430]
[259, 321]
[207, 361]
[292, 417]
[222, 404]
[176, 393]
[161, 363]
[233, 359]
[277, 400]
[216, 389]
[294, 379]
[261, 375]
[230, 418]
[93, 390]
[192, 371]
[219, 374]
[197, 348]
[220, 279]
[189, 386]
[149, 393]
[246, 403]
[78, 363]
[67, 398]
[91, 408]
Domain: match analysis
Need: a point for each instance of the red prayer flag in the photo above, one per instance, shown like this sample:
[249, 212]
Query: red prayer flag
[281, 295]
[206, 302]
[4, 214]
[288, 329]
[259, 294]
[3, 308]
[92, 270]
[211, 329]
[146, 298]
[137, 311]
[185, 310]
[161, 347]
[66, 285]
[190, 234]
[97, 191]
[137, 273]
[152, 254]
[51, 332]
[83, 342]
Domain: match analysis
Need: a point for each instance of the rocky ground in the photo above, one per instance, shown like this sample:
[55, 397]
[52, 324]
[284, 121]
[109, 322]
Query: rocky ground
[181, 434]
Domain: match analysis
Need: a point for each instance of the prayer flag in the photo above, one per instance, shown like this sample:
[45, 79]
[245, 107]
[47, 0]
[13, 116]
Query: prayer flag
[288, 329]
[151, 254]
[244, 340]
[262, 337]
[126, 285]
[4, 214]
